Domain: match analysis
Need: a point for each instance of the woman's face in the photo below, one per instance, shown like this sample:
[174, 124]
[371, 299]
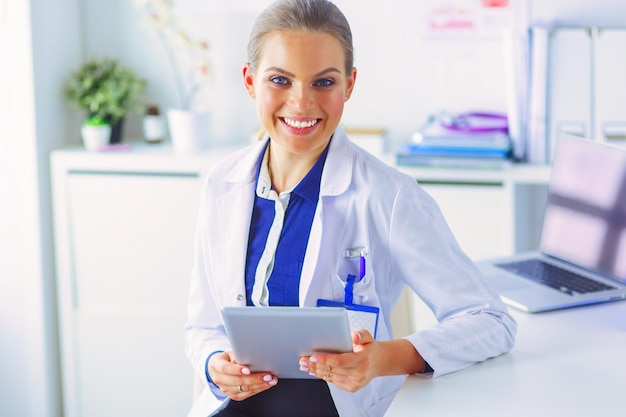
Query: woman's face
[300, 86]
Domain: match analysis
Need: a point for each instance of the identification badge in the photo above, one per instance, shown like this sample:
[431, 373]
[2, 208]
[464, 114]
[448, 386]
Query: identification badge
[360, 316]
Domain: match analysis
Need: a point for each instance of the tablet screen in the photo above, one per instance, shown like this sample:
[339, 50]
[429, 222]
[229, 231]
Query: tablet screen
[272, 339]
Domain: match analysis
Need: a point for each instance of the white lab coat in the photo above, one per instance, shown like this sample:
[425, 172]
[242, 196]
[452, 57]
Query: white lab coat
[363, 203]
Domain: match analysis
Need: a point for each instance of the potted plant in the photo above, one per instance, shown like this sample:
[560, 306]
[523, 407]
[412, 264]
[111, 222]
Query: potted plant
[96, 133]
[106, 89]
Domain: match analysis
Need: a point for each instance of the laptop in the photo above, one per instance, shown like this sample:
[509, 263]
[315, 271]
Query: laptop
[582, 253]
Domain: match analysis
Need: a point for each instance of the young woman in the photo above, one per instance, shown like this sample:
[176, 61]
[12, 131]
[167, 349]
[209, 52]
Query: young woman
[277, 218]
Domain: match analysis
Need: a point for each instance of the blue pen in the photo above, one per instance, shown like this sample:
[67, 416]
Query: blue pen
[362, 267]
[349, 297]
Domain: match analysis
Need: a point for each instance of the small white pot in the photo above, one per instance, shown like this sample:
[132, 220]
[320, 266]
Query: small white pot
[189, 131]
[153, 128]
[96, 138]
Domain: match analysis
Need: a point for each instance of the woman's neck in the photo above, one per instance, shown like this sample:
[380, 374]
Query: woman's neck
[287, 169]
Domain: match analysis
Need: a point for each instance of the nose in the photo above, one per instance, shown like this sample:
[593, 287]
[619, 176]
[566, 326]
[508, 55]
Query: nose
[301, 98]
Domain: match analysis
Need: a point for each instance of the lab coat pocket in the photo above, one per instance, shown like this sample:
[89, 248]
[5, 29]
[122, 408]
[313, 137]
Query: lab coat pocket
[338, 287]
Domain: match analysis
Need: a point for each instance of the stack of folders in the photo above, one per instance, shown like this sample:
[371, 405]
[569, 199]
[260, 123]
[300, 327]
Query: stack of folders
[438, 146]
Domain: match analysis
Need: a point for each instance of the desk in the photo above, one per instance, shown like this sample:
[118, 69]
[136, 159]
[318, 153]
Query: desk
[565, 363]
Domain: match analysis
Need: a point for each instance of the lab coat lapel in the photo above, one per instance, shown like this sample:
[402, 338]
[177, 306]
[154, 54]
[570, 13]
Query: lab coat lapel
[335, 180]
[234, 229]
[311, 259]
[234, 209]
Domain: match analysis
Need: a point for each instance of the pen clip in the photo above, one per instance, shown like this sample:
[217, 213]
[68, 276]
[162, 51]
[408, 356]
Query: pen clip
[360, 253]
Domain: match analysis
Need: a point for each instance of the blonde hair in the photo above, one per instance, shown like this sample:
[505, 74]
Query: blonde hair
[310, 15]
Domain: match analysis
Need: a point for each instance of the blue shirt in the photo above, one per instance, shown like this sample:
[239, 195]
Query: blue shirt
[280, 259]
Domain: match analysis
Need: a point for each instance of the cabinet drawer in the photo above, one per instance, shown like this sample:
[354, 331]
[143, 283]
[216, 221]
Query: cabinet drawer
[479, 214]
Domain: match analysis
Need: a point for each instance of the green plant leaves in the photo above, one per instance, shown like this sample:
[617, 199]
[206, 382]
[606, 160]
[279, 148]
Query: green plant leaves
[104, 88]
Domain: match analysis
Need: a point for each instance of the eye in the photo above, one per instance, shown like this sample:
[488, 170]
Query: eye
[279, 80]
[324, 82]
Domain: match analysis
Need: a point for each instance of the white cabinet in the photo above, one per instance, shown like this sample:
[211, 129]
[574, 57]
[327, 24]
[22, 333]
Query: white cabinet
[479, 215]
[124, 229]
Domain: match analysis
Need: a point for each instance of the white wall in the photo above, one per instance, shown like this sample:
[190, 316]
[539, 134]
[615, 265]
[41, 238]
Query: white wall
[38, 42]
[402, 76]
[405, 73]
[17, 197]
[580, 12]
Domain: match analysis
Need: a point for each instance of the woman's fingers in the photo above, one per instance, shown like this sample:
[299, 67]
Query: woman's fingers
[242, 391]
[237, 381]
[349, 371]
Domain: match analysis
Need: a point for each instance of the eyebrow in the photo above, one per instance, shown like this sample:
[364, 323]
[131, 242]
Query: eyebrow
[290, 74]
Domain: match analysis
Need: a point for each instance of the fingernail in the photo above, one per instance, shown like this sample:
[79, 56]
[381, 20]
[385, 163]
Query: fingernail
[273, 382]
[313, 359]
[267, 378]
[311, 373]
[303, 362]
[304, 368]
[245, 371]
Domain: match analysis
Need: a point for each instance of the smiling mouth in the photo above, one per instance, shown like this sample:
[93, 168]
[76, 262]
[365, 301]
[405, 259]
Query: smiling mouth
[300, 124]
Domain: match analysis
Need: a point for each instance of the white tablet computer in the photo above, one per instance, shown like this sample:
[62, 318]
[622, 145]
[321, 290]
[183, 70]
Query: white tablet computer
[272, 339]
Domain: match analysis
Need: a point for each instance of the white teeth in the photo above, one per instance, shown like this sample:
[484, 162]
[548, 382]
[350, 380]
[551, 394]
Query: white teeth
[300, 124]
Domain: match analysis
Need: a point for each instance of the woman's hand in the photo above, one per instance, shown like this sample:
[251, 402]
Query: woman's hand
[369, 359]
[236, 380]
[349, 371]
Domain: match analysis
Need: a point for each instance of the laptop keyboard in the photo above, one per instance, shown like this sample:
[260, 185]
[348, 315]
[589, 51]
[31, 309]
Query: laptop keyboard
[560, 279]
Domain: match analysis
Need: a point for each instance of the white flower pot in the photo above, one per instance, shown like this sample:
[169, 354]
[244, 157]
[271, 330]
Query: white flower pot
[189, 130]
[96, 138]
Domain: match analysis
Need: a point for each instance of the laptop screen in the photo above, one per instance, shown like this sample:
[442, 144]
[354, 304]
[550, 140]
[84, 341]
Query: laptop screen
[585, 217]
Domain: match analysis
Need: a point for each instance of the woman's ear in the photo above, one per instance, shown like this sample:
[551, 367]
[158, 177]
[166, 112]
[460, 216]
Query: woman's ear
[248, 79]
[350, 84]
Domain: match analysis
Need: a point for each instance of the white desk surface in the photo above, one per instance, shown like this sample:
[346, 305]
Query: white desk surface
[565, 363]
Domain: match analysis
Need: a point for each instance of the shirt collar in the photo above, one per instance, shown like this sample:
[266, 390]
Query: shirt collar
[264, 183]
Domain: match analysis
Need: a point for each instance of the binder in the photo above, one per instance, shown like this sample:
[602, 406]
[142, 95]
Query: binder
[563, 87]
[569, 98]
[610, 86]
[537, 108]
